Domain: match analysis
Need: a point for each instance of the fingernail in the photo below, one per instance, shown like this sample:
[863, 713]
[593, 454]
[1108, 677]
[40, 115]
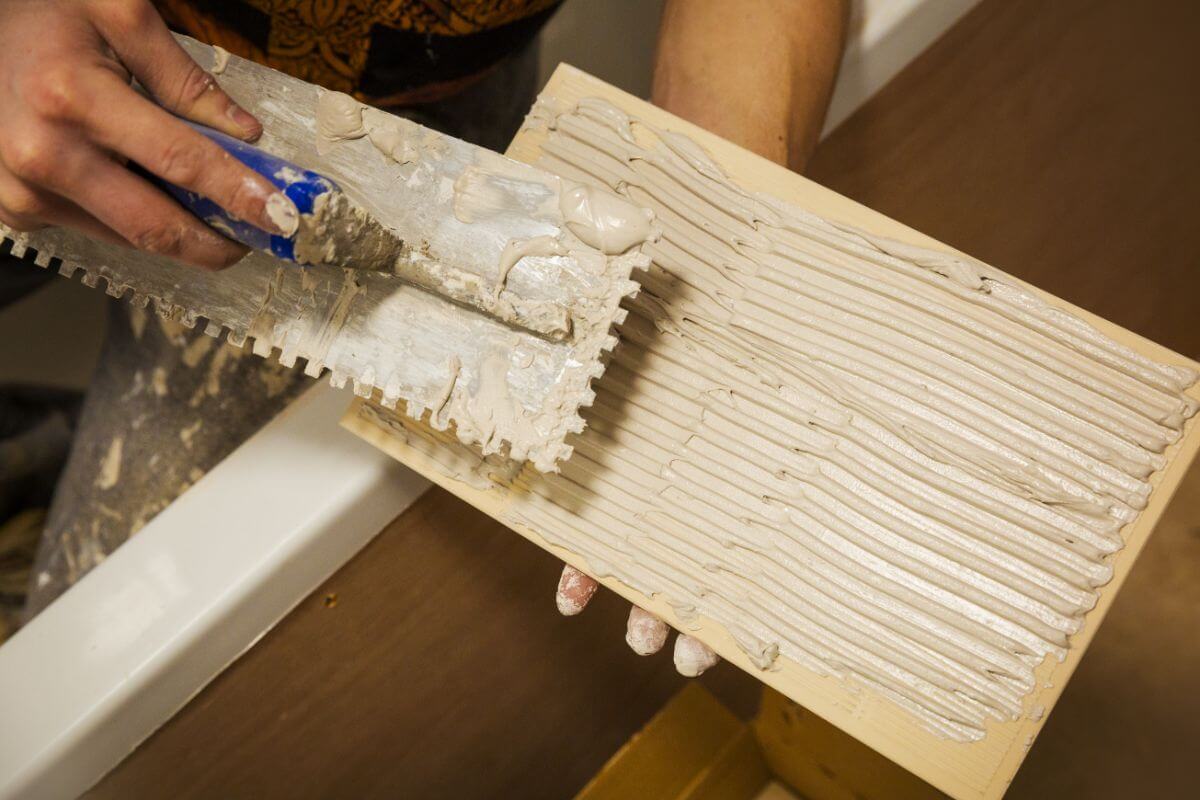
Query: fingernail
[243, 119]
[644, 632]
[574, 591]
[692, 656]
[280, 214]
[232, 256]
[225, 251]
[218, 252]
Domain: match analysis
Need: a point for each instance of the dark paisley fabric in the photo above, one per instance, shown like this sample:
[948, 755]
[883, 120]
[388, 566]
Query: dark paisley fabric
[388, 52]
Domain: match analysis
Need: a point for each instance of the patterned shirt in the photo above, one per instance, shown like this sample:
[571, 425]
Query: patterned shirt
[387, 52]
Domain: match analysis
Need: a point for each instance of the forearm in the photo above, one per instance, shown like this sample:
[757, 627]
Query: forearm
[757, 72]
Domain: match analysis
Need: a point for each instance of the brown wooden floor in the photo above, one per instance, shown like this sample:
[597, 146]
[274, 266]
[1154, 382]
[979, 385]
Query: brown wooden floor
[1056, 140]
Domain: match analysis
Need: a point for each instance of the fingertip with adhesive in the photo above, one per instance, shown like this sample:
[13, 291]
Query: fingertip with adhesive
[248, 195]
[575, 589]
[692, 656]
[282, 214]
[645, 633]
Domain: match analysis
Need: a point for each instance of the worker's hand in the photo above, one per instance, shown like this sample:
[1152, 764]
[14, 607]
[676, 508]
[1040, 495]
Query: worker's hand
[644, 632]
[70, 121]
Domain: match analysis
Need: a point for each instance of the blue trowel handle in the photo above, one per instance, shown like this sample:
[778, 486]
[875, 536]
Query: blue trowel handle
[301, 186]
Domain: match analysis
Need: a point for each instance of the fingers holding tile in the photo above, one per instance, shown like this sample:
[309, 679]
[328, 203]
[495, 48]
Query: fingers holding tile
[692, 656]
[575, 589]
[644, 632]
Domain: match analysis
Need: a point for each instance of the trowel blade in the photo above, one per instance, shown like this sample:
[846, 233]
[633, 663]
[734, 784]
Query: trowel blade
[506, 390]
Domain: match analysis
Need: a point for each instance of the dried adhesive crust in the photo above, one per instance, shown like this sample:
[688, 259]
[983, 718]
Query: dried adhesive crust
[882, 462]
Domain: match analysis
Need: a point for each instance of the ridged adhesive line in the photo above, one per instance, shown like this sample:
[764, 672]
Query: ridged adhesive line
[882, 462]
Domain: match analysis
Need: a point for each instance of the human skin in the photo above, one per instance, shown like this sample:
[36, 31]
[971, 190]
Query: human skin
[759, 73]
[72, 121]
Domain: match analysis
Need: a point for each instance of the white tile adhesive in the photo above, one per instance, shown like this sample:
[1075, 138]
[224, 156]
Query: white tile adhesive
[885, 463]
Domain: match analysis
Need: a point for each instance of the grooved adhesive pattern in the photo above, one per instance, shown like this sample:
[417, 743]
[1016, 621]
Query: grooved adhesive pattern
[881, 461]
[888, 464]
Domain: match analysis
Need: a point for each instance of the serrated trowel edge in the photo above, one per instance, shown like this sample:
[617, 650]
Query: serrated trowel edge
[391, 341]
[362, 378]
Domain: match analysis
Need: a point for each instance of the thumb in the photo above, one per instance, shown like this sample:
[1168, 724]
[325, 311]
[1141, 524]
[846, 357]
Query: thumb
[140, 39]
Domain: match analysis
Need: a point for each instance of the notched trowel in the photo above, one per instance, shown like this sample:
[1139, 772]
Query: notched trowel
[482, 292]
[333, 230]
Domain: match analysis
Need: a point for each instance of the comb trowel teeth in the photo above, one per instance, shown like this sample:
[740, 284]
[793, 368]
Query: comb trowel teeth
[510, 278]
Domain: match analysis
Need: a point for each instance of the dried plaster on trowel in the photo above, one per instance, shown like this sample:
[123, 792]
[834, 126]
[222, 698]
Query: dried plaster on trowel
[885, 463]
[338, 232]
[110, 464]
[593, 224]
[340, 117]
[220, 60]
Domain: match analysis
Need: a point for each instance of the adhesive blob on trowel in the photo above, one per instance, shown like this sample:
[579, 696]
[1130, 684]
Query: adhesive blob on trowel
[603, 220]
[339, 117]
[220, 60]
